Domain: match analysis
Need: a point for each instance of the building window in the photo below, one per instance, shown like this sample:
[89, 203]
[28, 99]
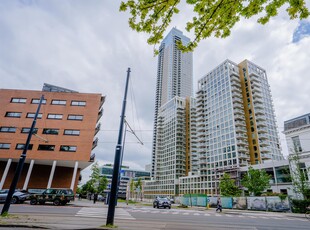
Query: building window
[8, 129]
[67, 148]
[26, 130]
[59, 102]
[72, 132]
[37, 101]
[22, 146]
[54, 116]
[75, 117]
[46, 147]
[13, 114]
[78, 103]
[31, 115]
[18, 100]
[51, 131]
[296, 144]
[5, 146]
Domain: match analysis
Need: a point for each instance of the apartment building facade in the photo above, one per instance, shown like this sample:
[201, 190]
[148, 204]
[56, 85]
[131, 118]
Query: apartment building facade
[62, 143]
[175, 148]
[236, 124]
[174, 77]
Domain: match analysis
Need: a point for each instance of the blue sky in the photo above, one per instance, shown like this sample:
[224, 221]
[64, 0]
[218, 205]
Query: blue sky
[87, 46]
[302, 31]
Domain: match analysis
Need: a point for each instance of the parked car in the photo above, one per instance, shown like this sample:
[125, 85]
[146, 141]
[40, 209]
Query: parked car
[58, 196]
[161, 202]
[101, 198]
[18, 197]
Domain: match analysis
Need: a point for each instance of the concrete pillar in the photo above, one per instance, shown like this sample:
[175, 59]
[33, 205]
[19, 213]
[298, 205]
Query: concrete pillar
[28, 175]
[49, 184]
[74, 174]
[5, 173]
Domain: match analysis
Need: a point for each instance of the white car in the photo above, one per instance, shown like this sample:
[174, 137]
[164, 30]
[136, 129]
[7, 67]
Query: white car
[18, 196]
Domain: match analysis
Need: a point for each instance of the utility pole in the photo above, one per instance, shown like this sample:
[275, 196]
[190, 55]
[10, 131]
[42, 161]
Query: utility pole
[21, 162]
[117, 160]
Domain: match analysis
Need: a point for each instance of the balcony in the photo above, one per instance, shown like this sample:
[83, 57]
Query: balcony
[236, 90]
[264, 150]
[92, 157]
[259, 111]
[256, 90]
[97, 128]
[95, 143]
[102, 100]
[241, 143]
[241, 136]
[235, 77]
[243, 156]
[100, 114]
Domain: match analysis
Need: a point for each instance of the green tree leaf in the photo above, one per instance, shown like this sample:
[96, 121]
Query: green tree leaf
[256, 181]
[211, 17]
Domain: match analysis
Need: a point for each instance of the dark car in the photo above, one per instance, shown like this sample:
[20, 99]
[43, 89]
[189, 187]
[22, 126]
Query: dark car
[18, 197]
[160, 202]
[58, 196]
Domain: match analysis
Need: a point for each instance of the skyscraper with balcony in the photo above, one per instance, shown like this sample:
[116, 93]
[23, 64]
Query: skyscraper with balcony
[174, 148]
[174, 77]
[236, 123]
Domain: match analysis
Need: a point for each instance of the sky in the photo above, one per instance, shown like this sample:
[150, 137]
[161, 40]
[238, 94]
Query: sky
[87, 46]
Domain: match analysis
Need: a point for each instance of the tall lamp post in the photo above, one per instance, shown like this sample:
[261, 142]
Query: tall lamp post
[21, 162]
[117, 160]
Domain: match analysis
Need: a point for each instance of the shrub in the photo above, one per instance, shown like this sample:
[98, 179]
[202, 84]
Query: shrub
[299, 206]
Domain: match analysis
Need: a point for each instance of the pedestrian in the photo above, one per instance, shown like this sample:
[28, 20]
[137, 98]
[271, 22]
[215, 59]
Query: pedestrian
[80, 196]
[219, 204]
[95, 197]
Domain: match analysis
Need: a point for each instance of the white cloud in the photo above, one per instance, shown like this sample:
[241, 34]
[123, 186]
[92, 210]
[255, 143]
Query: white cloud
[87, 46]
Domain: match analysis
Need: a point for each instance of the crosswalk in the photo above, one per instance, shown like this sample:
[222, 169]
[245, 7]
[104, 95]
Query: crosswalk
[120, 213]
[202, 213]
[125, 214]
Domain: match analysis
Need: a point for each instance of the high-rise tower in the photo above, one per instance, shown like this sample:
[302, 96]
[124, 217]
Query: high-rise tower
[174, 77]
[236, 124]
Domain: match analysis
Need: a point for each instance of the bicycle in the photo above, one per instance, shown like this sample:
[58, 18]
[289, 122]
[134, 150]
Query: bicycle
[307, 214]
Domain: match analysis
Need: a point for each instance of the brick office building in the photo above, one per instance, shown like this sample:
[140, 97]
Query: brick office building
[64, 136]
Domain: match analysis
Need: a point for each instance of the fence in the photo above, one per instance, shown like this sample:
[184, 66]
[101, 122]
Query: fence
[263, 203]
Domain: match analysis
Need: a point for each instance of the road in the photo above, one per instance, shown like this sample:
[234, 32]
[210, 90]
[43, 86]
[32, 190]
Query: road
[174, 218]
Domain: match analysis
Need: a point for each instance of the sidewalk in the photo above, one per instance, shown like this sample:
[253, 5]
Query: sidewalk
[56, 221]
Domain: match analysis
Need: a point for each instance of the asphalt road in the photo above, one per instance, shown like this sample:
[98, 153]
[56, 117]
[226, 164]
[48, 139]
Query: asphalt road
[174, 219]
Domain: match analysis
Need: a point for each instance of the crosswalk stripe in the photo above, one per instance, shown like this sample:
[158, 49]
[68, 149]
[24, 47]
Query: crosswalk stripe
[102, 213]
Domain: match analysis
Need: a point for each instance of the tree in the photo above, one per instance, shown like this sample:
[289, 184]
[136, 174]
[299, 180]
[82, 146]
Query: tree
[256, 181]
[138, 186]
[97, 183]
[212, 17]
[299, 175]
[228, 186]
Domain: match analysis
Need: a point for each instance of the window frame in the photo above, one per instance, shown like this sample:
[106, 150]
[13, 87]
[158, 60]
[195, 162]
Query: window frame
[8, 129]
[4, 144]
[21, 100]
[33, 114]
[79, 103]
[54, 118]
[61, 148]
[75, 115]
[37, 101]
[58, 102]
[7, 114]
[72, 132]
[30, 146]
[49, 150]
[35, 130]
[47, 133]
